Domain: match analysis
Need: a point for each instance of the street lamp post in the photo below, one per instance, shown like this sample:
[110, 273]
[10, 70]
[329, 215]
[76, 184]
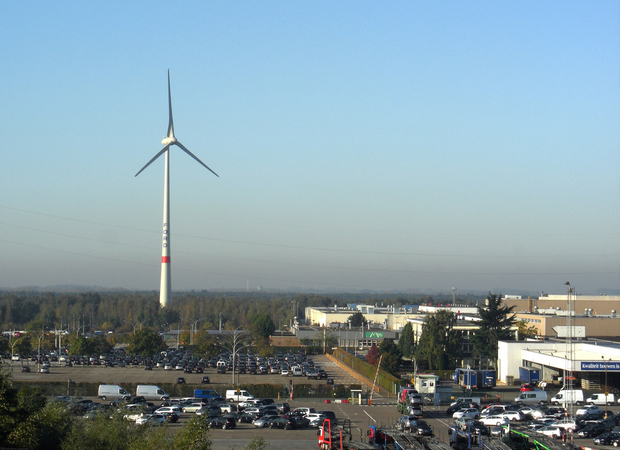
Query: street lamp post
[606, 388]
[236, 342]
[193, 330]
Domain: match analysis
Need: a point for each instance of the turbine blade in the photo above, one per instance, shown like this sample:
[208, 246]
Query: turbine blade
[170, 122]
[196, 158]
[154, 158]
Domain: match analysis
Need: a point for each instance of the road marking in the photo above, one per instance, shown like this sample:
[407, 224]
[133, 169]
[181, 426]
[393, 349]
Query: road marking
[373, 419]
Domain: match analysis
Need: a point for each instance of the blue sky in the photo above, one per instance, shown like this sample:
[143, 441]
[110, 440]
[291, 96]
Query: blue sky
[360, 145]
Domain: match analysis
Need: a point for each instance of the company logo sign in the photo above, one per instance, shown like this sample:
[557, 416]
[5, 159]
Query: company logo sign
[600, 365]
[374, 334]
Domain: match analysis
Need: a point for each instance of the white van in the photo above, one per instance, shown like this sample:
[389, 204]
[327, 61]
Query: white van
[568, 396]
[599, 399]
[151, 392]
[241, 395]
[112, 391]
[532, 397]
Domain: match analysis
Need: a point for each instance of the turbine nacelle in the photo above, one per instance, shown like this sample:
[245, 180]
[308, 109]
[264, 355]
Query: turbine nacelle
[169, 140]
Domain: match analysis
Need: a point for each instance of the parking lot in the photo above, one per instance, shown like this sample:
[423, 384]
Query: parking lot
[137, 374]
[383, 411]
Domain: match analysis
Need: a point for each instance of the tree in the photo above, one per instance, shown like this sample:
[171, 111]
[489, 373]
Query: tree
[262, 326]
[372, 357]
[194, 435]
[23, 346]
[357, 319]
[526, 331]
[440, 345]
[392, 356]
[82, 346]
[145, 342]
[494, 326]
[406, 342]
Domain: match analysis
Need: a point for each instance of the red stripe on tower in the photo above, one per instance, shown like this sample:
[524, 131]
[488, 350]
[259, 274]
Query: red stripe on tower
[165, 259]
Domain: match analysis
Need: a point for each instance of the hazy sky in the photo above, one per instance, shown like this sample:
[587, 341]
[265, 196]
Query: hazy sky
[360, 145]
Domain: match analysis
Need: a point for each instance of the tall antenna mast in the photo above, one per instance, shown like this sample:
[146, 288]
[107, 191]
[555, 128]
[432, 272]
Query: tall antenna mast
[569, 375]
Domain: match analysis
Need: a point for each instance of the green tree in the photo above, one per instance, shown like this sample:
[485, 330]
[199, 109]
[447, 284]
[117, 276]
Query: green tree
[392, 356]
[526, 331]
[23, 346]
[406, 342]
[262, 326]
[440, 345]
[194, 435]
[82, 346]
[496, 321]
[357, 319]
[145, 342]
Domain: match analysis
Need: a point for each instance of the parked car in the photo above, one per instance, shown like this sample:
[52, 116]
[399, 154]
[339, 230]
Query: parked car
[551, 431]
[494, 420]
[588, 410]
[283, 408]
[264, 421]
[26, 369]
[606, 438]
[469, 413]
[591, 431]
[421, 428]
[223, 422]
[151, 419]
[285, 423]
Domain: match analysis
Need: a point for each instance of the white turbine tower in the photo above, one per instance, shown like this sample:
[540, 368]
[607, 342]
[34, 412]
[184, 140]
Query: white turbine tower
[165, 290]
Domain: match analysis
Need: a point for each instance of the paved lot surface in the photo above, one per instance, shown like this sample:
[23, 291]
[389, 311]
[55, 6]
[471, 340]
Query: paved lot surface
[137, 374]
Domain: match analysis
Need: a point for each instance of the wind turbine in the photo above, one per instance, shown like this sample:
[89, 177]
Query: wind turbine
[165, 290]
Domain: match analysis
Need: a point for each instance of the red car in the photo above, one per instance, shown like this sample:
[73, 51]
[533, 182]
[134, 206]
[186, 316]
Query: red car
[528, 387]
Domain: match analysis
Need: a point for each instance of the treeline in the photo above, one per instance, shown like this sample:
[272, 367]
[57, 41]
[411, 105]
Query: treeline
[122, 311]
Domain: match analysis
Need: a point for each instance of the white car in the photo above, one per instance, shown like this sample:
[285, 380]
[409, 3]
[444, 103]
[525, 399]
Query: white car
[467, 413]
[192, 408]
[284, 372]
[567, 424]
[169, 410]
[416, 411]
[316, 419]
[151, 419]
[590, 409]
[513, 415]
[494, 420]
[227, 408]
[554, 432]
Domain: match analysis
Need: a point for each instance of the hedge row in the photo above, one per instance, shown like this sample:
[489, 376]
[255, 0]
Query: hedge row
[282, 391]
[384, 379]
